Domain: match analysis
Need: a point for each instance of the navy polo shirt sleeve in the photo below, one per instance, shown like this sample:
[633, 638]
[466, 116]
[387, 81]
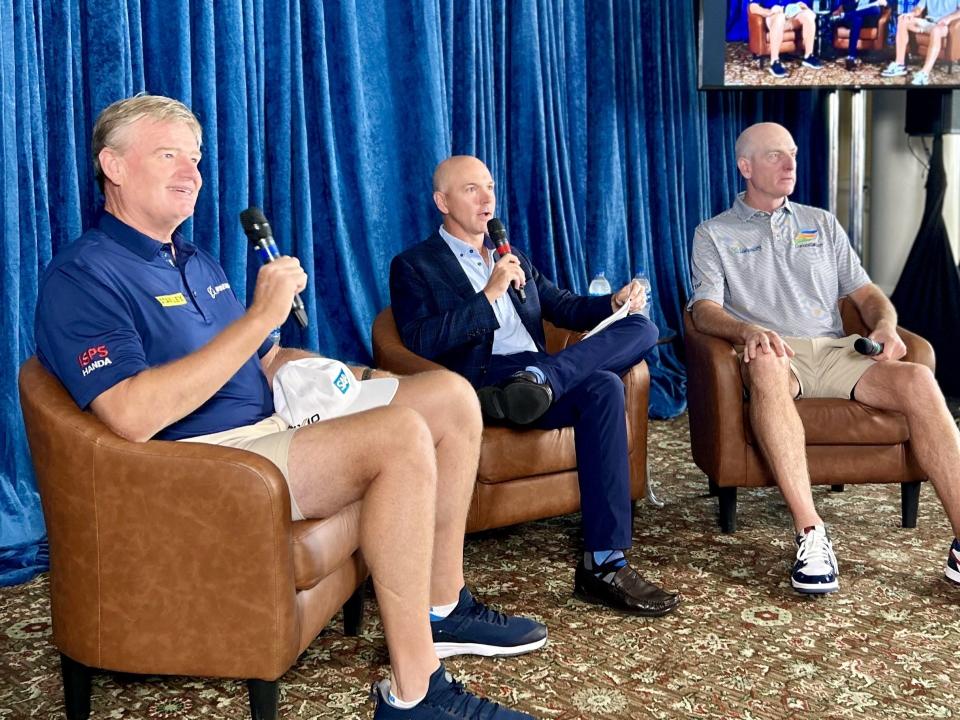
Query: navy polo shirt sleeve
[85, 333]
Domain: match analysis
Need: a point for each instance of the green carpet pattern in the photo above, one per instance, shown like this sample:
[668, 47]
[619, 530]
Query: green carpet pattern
[742, 645]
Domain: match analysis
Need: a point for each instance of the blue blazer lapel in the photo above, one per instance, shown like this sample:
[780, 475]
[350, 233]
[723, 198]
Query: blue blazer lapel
[448, 266]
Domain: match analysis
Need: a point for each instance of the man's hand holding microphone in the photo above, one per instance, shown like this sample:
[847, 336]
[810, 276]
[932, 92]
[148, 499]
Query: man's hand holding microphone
[280, 279]
[277, 284]
[506, 272]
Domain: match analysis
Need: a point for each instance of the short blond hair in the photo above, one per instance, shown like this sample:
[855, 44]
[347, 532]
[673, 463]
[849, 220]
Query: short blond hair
[116, 116]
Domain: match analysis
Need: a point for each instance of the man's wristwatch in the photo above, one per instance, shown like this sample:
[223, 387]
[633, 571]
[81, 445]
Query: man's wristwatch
[367, 373]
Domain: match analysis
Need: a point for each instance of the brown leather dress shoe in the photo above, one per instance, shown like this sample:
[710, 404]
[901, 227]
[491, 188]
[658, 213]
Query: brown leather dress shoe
[626, 591]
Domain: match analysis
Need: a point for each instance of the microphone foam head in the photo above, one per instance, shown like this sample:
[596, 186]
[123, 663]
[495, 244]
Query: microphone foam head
[866, 346]
[255, 224]
[498, 233]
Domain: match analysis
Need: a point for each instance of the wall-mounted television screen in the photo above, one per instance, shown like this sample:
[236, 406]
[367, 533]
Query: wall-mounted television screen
[829, 44]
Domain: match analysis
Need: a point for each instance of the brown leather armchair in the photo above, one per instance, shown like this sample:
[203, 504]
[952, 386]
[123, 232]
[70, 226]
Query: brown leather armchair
[847, 442]
[949, 49]
[758, 36]
[178, 558]
[871, 38]
[527, 474]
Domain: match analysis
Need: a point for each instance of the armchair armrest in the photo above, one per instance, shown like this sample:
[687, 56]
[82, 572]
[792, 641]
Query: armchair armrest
[715, 398]
[756, 32]
[918, 349]
[196, 537]
[882, 24]
[389, 352]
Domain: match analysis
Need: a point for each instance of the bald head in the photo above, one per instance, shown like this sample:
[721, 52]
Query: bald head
[767, 159]
[453, 168]
[759, 137]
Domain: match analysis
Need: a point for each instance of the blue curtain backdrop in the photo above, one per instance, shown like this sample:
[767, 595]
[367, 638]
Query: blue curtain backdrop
[332, 116]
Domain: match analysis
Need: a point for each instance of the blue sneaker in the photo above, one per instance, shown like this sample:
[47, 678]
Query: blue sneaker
[815, 571]
[812, 62]
[952, 569]
[777, 69]
[474, 629]
[446, 699]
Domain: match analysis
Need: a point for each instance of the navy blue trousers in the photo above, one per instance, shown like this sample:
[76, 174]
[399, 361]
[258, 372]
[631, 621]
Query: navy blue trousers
[856, 20]
[588, 395]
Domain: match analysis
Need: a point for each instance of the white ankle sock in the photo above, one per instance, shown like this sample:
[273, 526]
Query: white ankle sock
[439, 612]
[396, 702]
[387, 693]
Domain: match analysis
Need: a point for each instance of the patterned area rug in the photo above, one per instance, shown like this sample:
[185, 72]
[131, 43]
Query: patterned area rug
[742, 645]
[741, 69]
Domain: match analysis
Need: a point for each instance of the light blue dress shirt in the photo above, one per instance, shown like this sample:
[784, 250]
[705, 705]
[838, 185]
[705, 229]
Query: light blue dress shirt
[511, 337]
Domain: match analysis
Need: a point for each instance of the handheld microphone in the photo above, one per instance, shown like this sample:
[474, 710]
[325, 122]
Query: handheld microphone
[866, 346]
[260, 235]
[498, 233]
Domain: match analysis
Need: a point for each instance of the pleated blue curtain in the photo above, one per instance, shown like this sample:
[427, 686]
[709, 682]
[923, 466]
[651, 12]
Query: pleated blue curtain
[736, 19]
[332, 115]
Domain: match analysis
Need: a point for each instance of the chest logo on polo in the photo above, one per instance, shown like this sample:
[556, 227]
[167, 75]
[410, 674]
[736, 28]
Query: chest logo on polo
[807, 238]
[171, 300]
[736, 247]
[213, 291]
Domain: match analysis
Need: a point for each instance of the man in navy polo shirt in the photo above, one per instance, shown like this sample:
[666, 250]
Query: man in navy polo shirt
[143, 329]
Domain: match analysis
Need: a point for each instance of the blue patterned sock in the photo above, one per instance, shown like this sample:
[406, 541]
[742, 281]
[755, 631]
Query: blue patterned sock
[536, 371]
[594, 560]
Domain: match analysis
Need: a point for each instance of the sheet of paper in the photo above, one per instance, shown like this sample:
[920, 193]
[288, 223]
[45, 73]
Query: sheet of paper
[621, 312]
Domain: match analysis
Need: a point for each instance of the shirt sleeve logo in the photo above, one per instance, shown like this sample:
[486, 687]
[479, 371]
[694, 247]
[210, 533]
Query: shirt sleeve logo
[171, 300]
[94, 358]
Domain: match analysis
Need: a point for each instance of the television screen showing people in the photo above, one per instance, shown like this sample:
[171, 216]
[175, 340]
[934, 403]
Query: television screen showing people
[830, 43]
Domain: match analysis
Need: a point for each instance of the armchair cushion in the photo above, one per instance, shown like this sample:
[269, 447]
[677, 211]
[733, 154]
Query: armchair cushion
[871, 38]
[758, 35]
[527, 474]
[321, 546]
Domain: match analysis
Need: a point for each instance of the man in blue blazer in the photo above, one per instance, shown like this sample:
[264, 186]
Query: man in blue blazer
[483, 319]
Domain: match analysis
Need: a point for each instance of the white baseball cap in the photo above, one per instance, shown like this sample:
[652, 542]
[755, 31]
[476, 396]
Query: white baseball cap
[313, 389]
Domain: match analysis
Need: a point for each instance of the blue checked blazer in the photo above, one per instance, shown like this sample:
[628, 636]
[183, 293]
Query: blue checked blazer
[441, 317]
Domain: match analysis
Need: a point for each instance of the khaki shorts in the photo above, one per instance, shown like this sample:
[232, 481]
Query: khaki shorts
[269, 438]
[826, 367]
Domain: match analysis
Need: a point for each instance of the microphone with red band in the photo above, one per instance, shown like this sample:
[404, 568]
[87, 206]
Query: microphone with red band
[498, 233]
[260, 235]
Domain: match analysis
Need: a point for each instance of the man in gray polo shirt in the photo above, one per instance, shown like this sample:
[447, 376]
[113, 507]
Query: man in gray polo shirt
[767, 276]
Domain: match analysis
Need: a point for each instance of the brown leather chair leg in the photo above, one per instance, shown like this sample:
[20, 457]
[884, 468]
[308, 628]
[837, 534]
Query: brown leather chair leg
[76, 688]
[353, 612]
[909, 503]
[264, 698]
[728, 509]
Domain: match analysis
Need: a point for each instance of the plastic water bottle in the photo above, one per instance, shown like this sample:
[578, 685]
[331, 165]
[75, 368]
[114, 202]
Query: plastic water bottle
[644, 283]
[599, 285]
